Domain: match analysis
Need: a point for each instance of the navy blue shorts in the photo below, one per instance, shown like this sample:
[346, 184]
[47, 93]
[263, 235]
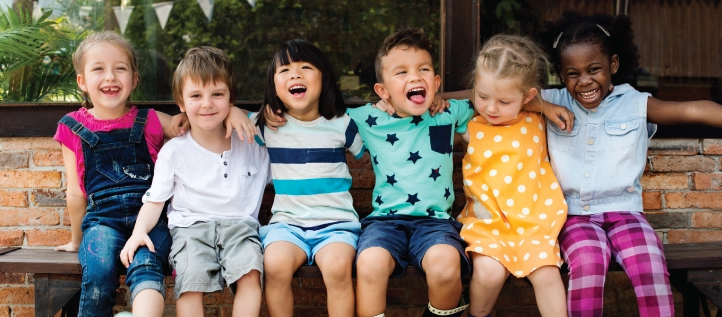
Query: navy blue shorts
[408, 238]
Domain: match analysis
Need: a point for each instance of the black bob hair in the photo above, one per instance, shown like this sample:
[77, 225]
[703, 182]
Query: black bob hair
[576, 28]
[330, 103]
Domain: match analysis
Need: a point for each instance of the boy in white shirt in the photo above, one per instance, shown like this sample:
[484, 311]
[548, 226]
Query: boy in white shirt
[216, 185]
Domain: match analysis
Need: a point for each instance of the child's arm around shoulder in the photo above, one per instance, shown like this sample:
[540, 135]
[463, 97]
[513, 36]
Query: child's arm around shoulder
[75, 200]
[684, 112]
[237, 119]
[147, 219]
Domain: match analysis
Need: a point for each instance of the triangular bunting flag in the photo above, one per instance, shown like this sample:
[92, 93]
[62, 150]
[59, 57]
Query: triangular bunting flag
[252, 3]
[162, 10]
[122, 14]
[84, 11]
[207, 7]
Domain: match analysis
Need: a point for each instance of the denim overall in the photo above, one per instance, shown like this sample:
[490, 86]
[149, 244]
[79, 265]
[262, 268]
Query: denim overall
[118, 171]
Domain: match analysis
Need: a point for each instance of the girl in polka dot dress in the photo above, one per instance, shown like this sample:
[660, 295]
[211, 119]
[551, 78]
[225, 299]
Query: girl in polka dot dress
[515, 208]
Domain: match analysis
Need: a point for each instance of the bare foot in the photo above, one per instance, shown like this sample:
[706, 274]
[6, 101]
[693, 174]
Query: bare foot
[68, 247]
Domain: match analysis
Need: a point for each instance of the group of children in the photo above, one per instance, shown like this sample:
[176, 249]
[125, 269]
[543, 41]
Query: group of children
[527, 210]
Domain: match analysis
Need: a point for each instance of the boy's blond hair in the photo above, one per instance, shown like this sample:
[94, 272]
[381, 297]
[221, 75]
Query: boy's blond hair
[204, 64]
[408, 38]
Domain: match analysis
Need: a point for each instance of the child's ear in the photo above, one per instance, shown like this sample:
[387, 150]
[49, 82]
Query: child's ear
[81, 82]
[437, 82]
[135, 80]
[615, 63]
[380, 90]
[181, 106]
[530, 94]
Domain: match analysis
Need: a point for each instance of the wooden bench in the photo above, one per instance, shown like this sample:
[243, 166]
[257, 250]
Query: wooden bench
[695, 271]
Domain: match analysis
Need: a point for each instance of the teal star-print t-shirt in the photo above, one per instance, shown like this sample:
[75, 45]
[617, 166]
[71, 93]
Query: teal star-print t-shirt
[412, 158]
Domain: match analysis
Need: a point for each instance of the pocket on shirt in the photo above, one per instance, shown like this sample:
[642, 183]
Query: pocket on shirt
[324, 161]
[138, 171]
[559, 140]
[440, 137]
[111, 159]
[623, 134]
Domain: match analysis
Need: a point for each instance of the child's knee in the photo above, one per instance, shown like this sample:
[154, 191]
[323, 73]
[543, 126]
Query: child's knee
[374, 263]
[442, 262]
[250, 280]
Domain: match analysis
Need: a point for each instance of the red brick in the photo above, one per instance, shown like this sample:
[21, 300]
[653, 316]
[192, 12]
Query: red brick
[24, 311]
[5, 311]
[48, 158]
[683, 164]
[363, 179]
[706, 181]
[711, 200]
[47, 237]
[364, 163]
[30, 179]
[665, 181]
[13, 278]
[8, 144]
[47, 197]
[14, 160]
[29, 217]
[712, 146]
[11, 238]
[687, 236]
[651, 200]
[66, 217]
[17, 295]
[707, 219]
[13, 198]
[673, 147]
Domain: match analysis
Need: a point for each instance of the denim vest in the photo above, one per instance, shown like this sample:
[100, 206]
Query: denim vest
[117, 163]
[600, 163]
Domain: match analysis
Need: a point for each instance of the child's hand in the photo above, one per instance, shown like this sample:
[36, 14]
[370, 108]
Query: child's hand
[68, 247]
[179, 124]
[136, 240]
[384, 106]
[561, 116]
[238, 119]
[274, 120]
[438, 105]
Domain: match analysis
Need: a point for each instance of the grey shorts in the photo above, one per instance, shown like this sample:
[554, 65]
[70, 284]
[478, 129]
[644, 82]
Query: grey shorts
[207, 256]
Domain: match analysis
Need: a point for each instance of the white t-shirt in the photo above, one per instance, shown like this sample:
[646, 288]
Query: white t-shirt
[207, 186]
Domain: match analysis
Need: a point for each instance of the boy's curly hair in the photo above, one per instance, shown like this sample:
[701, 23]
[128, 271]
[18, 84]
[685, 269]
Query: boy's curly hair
[576, 28]
[411, 38]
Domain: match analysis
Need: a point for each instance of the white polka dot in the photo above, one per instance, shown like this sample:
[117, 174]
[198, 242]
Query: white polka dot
[510, 202]
[543, 255]
[505, 158]
[506, 224]
[478, 249]
[520, 230]
[522, 188]
[511, 243]
[564, 201]
[471, 225]
[560, 212]
[484, 187]
[555, 185]
[502, 243]
[473, 119]
[536, 139]
[521, 216]
[487, 221]
[478, 169]
[528, 119]
[542, 171]
[519, 166]
[529, 152]
[542, 216]
[552, 242]
[535, 242]
[493, 246]
[487, 154]
[526, 256]
[477, 241]
[492, 173]
[470, 150]
[525, 211]
[506, 257]
[523, 130]
[515, 144]
[532, 175]
[495, 232]
[467, 166]
[546, 158]
[521, 242]
[480, 135]
[484, 197]
[546, 237]
[548, 202]
[553, 223]
[515, 260]
[468, 182]
[497, 138]
[534, 197]
[507, 179]
[541, 127]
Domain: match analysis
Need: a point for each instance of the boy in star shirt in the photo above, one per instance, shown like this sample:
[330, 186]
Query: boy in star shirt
[412, 198]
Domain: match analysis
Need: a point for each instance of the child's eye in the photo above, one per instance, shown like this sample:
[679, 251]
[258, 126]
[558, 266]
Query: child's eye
[121, 68]
[282, 70]
[218, 94]
[401, 72]
[195, 95]
[98, 68]
[504, 102]
[424, 69]
[307, 67]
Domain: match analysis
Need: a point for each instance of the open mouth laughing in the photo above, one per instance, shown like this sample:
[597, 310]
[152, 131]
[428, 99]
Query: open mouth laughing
[297, 90]
[417, 95]
[589, 95]
[110, 90]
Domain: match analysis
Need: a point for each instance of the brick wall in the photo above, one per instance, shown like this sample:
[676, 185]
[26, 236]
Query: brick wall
[682, 200]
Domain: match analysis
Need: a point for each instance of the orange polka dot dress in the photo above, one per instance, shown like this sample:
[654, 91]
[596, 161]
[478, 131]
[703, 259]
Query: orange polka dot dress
[514, 206]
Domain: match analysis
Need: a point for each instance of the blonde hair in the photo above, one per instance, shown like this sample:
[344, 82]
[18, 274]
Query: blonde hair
[103, 37]
[511, 56]
[204, 64]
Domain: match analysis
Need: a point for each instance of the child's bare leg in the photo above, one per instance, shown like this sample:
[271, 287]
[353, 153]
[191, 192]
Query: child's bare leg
[486, 283]
[549, 291]
[247, 301]
[148, 303]
[442, 265]
[189, 304]
[280, 261]
[336, 263]
[373, 269]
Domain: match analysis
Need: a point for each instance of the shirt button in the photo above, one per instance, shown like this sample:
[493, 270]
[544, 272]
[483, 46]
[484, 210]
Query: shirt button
[586, 207]
[225, 163]
[225, 175]
[147, 194]
[594, 110]
[586, 175]
[624, 126]
[249, 173]
[591, 141]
